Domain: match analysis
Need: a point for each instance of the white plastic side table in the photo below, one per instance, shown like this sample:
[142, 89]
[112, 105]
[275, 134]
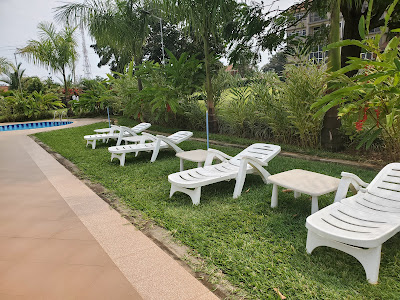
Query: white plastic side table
[132, 139]
[302, 181]
[198, 156]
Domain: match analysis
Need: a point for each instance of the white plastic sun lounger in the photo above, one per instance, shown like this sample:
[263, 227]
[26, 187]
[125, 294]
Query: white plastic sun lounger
[360, 224]
[105, 130]
[114, 133]
[251, 160]
[159, 142]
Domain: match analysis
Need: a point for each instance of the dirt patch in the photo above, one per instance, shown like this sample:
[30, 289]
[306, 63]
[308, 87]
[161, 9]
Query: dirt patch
[212, 278]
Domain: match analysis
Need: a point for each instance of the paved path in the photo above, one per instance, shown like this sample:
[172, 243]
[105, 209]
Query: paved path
[59, 240]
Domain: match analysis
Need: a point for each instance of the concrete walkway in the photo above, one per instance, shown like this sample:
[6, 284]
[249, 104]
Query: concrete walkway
[59, 240]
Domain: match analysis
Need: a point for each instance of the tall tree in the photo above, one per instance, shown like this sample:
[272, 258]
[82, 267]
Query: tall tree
[54, 50]
[205, 19]
[121, 25]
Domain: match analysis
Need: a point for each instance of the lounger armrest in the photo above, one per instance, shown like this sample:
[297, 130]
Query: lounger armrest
[345, 182]
[354, 177]
[258, 167]
[252, 160]
[169, 142]
[147, 136]
[113, 129]
[129, 130]
[212, 154]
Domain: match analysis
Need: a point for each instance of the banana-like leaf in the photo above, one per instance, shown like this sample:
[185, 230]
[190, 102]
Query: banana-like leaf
[361, 27]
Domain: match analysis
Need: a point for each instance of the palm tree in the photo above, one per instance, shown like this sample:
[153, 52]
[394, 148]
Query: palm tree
[4, 65]
[122, 25]
[205, 18]
[54, 50]
[13, 76]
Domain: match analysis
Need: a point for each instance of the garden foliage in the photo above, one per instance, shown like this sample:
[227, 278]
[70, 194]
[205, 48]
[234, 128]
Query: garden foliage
[371, 98]
[21, 106]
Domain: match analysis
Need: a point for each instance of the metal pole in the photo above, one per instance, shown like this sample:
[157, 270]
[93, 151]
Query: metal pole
[208, 141]
[108, 114]
[162, 43]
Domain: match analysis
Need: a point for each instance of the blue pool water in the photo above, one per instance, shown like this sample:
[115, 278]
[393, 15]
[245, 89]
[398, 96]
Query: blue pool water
[23, 126]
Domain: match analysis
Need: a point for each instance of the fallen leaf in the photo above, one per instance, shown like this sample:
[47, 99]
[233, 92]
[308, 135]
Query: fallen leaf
[279, 293]
[247, 190]
[287, 191]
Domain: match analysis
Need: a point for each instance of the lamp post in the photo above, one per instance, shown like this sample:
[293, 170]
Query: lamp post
[161, 34]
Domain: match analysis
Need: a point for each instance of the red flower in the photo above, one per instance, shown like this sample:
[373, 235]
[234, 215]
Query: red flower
[168, 108]
[360, 123]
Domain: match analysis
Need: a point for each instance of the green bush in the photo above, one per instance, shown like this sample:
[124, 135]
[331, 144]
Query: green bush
[20, 106]
[304, 83]
[369, 101]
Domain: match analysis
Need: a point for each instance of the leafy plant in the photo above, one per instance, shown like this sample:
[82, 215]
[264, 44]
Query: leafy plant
[94, 100]
[372, 95]
[303, 84]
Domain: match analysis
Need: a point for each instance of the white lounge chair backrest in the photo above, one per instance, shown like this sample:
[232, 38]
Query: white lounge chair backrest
[180, 136]
[262, 152]
[387, 183]
[382, 195]
[140, 127]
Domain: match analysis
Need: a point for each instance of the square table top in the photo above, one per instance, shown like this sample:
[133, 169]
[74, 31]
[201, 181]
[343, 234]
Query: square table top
[306, 182]
[198, 155]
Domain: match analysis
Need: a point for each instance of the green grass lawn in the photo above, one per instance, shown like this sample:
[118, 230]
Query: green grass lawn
[256, 247]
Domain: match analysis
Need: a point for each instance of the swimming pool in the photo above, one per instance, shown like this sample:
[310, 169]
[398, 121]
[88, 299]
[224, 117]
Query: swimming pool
[23, 126]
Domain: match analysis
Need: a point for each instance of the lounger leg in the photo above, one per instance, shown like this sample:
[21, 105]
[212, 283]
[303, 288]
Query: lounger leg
[370, 258]
[193, 194]
[155, 151]
[94, 144]
[274, 197]
[314, 204]
[181, 164]
[297, 194]
[239, 184]
[121, 158]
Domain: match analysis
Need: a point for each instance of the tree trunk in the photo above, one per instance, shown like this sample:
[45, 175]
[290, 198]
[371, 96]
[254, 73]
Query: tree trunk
[139, 81]
[351, 17]
[331, 138]
[212, 120]
[65, 85]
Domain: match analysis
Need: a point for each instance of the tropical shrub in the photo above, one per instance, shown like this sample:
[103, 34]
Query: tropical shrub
[93, 100]
[372, 96]
[31, 84]
[20, 106]
[273, 109]
[304, 83]
[165, 87]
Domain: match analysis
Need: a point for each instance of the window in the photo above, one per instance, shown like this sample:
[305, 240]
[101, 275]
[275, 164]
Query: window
[314, 17]
[367, 55]
[298, 16]
[318, 55]
[375, 30]
[299, 32]
[316, 29]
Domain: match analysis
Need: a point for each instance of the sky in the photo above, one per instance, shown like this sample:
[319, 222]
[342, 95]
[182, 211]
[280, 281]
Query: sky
[18, 23]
